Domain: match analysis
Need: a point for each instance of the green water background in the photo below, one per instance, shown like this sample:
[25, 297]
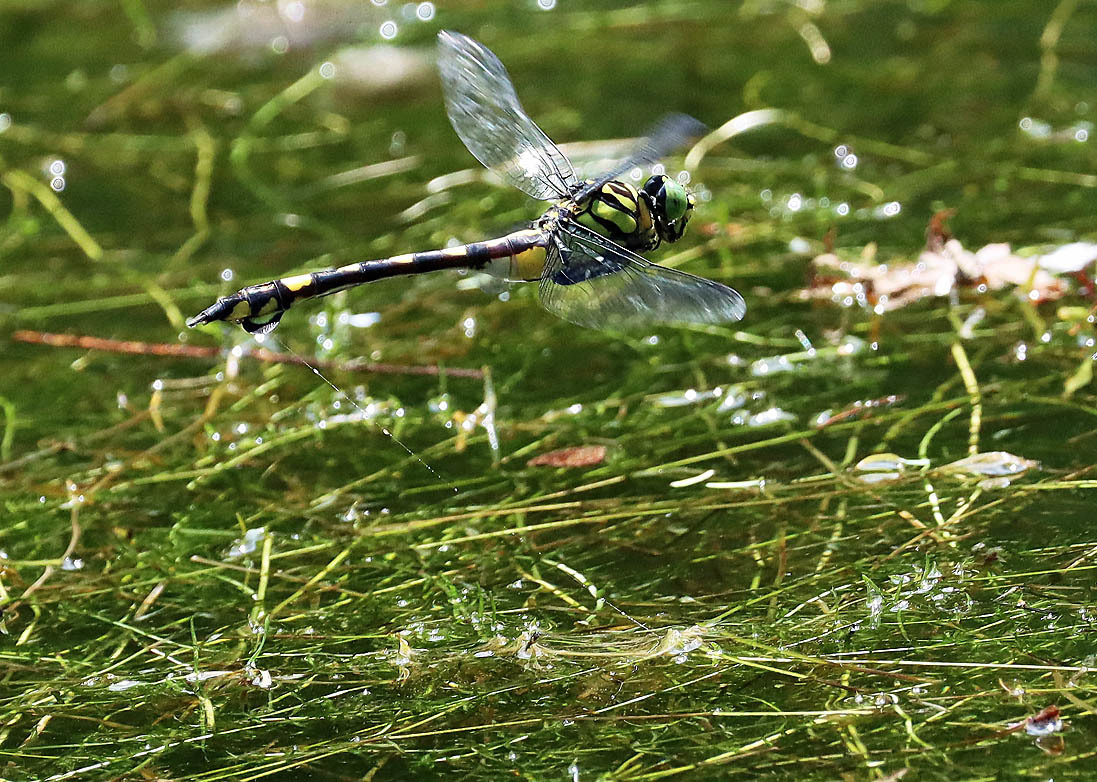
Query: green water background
[540, 623]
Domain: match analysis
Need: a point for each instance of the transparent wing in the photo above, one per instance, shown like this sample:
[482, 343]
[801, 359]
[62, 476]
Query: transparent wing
[592, 282]
[668, 134]
[486, 114]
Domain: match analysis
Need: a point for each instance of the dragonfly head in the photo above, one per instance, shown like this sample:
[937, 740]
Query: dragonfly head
[671, 206]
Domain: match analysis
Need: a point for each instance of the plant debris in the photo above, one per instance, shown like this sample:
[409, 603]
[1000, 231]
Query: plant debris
[578, 456]
[942, 267]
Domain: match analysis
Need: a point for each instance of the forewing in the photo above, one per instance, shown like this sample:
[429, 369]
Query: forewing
[486, 114]
[668, 134]
[592, 282]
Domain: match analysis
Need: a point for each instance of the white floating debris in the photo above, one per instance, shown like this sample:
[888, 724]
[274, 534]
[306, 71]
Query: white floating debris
[381, 68]
[678, 643]
[773, 415]
[888, 462]
[938, 270]
[757, 483]
[260, 678]
[1045, 722]
[693, 480]
[799, 245]
[1069, 258]
[967, 331]
[771, 366]
[123, 685]
[247, 545]
[885, 467]
[200, 676]
[991, 463]
[360, 320]
[690, 396]
[879, 477]
[734, 399]
[249, 27]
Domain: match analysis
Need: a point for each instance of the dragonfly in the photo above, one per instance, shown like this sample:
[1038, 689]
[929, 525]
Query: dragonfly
[584, 251]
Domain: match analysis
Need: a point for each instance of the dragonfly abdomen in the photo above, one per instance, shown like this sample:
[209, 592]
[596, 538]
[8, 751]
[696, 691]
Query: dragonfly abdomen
[258, 308]
[519, 257]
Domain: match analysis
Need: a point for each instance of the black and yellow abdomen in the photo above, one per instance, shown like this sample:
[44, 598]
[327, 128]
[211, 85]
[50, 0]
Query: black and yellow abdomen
[258, 308]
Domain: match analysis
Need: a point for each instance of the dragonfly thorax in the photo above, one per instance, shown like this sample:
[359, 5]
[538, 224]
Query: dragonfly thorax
[637, 219]
[618, 211]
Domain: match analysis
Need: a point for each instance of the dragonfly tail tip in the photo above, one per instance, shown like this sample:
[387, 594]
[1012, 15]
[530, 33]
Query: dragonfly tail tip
[200, 319]
[219, 310]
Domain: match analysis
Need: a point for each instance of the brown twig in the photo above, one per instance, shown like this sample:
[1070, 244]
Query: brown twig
[259, 354]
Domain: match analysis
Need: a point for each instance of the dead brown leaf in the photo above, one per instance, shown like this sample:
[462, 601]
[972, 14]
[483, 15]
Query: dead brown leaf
[577, 456]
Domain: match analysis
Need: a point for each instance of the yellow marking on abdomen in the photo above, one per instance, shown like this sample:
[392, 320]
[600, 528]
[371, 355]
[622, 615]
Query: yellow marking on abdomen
[298, 282]
[269, 307]
[529, 264]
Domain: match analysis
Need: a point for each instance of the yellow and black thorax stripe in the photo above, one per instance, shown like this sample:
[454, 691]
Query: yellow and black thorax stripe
[617, 211]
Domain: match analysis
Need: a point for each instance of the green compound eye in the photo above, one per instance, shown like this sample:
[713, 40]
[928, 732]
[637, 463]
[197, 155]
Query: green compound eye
[677, 200]
[671, 206]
